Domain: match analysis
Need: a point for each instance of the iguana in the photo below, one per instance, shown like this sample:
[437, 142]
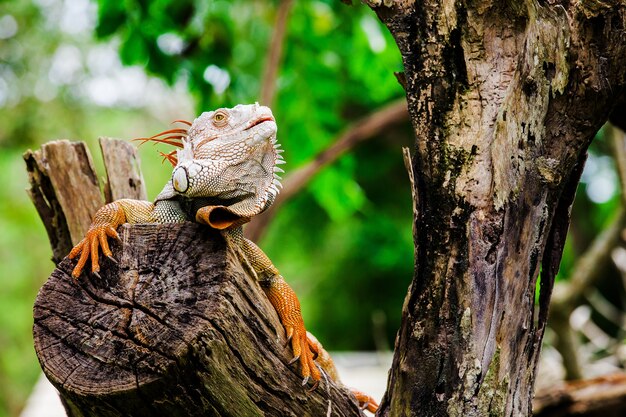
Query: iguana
[225, 173]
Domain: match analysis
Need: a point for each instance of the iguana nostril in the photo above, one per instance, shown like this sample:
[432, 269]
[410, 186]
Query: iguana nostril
[180, 179]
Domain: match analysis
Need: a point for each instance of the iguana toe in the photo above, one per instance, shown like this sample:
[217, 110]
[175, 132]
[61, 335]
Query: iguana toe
[304, 354]
[88, 248]
[365, 401]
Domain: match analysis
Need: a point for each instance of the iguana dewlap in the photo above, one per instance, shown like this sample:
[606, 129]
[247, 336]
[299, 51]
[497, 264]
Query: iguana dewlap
[225, 173]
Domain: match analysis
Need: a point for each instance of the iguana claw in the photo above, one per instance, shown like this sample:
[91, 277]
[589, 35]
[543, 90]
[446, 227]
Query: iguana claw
[105, 221]
[314, 387]
[95, 239]
[287, 305]
[314, 348]
[365, 401]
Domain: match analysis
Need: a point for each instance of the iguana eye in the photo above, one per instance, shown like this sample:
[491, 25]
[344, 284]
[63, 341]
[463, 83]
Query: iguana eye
[220, 119]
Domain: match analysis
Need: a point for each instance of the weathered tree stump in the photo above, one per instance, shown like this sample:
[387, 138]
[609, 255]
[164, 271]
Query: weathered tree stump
[177, 328]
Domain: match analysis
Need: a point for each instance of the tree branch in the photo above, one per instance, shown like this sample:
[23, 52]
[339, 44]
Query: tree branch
[618, 114]
[617, 138]
[275, 53]
[363, 129]
[598, 397]
[588, 268]
[502, 117]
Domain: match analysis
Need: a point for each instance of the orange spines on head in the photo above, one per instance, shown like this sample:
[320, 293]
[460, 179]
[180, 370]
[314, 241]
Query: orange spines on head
[171, 157]
[173, 137]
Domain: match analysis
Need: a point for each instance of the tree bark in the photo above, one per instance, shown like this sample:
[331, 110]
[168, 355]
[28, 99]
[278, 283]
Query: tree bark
[65, 191]
[505, 98]
[176, 328]
[124, 177]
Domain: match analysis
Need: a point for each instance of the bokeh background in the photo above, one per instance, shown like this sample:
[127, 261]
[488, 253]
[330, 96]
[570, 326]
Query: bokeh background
[80, 69]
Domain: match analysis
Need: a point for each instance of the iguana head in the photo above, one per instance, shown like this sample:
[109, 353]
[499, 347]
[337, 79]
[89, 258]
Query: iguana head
[228, 156]
[229, 136]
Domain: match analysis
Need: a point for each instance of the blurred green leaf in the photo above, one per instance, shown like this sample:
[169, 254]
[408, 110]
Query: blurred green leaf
[134, 49]
[112, 16]
[339, 197]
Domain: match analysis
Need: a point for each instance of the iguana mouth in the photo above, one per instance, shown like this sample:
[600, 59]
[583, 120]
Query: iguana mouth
[259, 121]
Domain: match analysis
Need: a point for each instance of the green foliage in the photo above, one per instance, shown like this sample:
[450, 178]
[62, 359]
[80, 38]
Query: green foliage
[18, 365]
[353, 270]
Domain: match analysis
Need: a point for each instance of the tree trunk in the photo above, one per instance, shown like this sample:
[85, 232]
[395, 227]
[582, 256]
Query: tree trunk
[505, 98]
[177, 328]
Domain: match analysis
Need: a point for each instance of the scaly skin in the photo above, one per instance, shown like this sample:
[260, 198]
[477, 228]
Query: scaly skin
[224, 175]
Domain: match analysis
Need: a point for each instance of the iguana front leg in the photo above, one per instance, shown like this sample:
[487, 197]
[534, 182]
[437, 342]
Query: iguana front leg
[108, 218]
[282, 298]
